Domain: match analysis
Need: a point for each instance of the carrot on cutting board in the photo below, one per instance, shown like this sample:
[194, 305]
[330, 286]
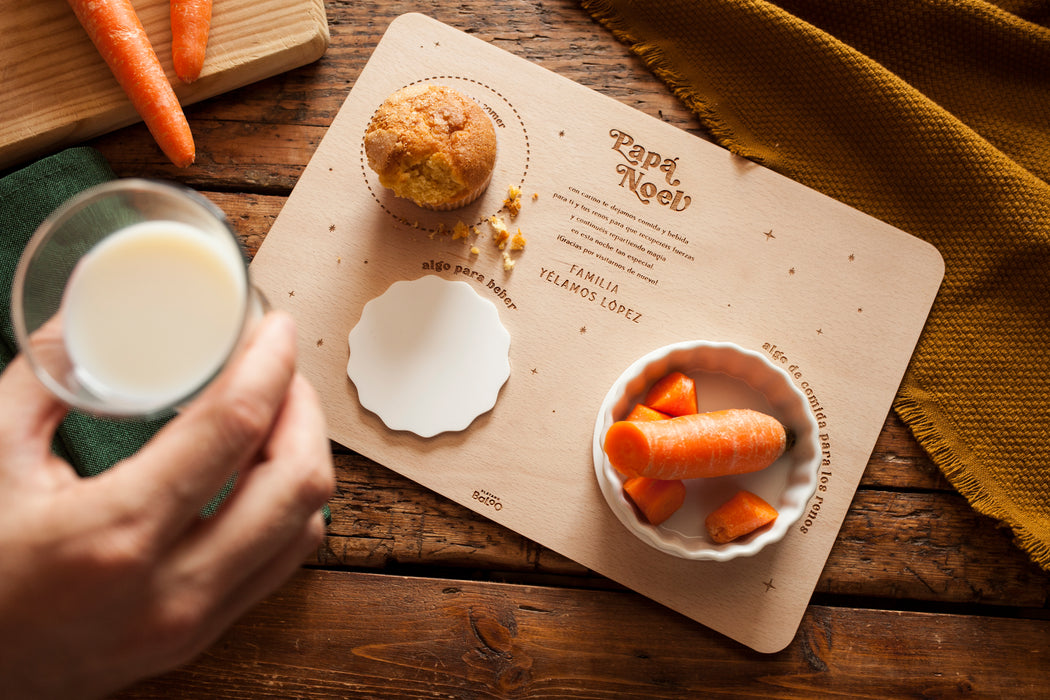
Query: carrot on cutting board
[190, 24]
[657, 499]
[673, 394]
[717, 443]
[643, 412]
[117, 33]
[740, 515]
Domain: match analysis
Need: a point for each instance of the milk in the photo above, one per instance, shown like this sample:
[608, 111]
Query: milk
[153, 311]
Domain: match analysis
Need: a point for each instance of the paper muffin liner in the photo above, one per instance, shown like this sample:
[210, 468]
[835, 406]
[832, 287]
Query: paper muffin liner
[461, 201]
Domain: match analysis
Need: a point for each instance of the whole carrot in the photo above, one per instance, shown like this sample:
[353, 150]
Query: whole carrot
[733, 441]
[117, 33]
[190, 24]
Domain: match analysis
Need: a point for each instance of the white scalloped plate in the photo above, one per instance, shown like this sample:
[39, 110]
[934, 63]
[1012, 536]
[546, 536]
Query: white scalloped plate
[727, 376]
[428, 356]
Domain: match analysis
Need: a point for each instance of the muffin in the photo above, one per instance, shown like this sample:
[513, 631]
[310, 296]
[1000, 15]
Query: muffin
[430, 144]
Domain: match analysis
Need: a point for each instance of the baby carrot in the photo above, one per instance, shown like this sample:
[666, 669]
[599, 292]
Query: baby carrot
[117, 33]
[674, 394]
[190, 24]
[733, 441]
[656, 499]
[643, 412]
[742, 514]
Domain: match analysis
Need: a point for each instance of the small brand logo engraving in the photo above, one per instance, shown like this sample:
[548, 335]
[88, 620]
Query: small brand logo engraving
[488, 499]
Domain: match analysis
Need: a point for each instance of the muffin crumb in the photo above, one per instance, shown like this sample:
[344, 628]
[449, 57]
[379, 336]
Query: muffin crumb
[518, 241]
[513, 201]
[500, 234]
[460, 230]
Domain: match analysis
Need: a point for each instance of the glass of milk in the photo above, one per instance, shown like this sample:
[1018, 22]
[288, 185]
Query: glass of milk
[131, 297]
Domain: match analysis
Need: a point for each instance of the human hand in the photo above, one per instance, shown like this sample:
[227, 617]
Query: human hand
[114, 578]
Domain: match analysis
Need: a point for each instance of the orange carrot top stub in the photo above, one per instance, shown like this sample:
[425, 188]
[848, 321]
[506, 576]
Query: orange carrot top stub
[733, 441]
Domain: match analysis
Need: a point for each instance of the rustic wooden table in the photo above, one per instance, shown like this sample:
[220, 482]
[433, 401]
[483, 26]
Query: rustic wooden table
[412, 596]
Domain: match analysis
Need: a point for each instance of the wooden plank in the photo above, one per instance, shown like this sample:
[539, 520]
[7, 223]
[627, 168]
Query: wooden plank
[929, 547]
[349, 635]
[914, 546]
[58, 91]
[897, 461]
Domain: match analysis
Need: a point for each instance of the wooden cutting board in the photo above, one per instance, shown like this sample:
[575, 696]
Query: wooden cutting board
[625, 254]
[58, 91]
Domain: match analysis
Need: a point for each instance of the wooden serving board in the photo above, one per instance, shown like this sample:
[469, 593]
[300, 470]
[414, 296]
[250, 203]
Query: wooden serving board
[622, 258]
[57, 90]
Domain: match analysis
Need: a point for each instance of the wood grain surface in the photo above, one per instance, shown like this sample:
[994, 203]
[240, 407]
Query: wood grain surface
[412, 596]
[435, 638]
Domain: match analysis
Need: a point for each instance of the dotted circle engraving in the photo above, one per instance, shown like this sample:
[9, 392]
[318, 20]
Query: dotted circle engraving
[512, 162]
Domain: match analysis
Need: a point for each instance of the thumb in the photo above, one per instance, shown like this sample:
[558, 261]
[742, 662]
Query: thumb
[29, 417]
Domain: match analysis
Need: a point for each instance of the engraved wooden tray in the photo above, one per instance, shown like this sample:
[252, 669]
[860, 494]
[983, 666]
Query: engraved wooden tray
[639, 235]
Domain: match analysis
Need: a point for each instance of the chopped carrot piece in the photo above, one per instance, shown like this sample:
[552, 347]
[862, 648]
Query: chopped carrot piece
[643, 412]
[656, 499]
[740, 515]
[733, 441]
[673, 394]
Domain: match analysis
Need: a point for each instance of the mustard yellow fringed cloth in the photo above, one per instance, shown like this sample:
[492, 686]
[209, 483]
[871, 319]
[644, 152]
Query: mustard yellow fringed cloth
[933, 116]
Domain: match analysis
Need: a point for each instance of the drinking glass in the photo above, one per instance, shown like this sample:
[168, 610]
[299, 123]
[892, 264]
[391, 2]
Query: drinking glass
[131, 297]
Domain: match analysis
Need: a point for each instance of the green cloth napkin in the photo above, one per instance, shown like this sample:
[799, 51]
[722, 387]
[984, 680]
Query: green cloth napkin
[932, 116]
[27, 197]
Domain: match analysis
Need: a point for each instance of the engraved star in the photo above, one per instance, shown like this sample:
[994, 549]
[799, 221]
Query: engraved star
[291, 293]
[852, 257]
[535, 371]
[769, 234]
[768, 584]
[820, 331]
[320, 342]
[331, 227]
[791, 271]
[583, 329]
[561, 133]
